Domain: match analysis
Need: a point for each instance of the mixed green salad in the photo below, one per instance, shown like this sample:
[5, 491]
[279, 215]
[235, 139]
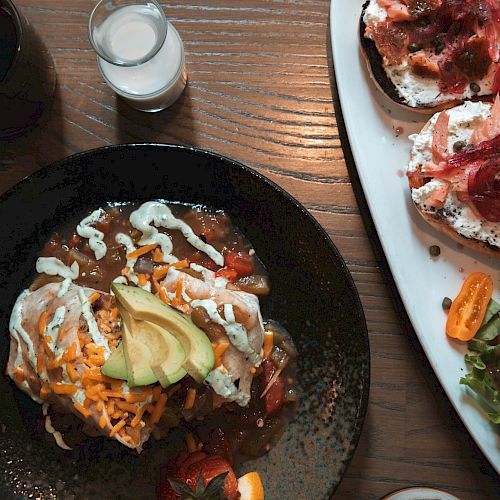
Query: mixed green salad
[484, 361]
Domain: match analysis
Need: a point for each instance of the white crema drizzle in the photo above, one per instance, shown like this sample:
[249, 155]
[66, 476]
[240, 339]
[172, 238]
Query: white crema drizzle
[126, 241]
[154, 212]
[97, 337]
[220, 381]
[54, 267]
[95, 237]
[235, 331]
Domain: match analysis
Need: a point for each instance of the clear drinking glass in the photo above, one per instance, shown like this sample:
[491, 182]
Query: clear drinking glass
[139, 53]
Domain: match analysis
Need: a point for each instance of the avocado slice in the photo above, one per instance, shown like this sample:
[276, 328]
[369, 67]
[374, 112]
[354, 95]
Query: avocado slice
[143, 305]
[138, 358]
[167, 352]
[116, 366]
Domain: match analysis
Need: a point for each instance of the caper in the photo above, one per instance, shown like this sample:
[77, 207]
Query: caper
[434, 250]
[414, 47]
[475, 87]
[422, 22]
[447, 303]
[459, 145]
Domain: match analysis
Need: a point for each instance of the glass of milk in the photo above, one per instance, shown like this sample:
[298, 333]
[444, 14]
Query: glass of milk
[139, 53]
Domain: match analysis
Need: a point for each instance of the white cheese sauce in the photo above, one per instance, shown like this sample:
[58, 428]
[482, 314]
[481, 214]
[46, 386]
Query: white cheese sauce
[220, 381]
[97, 337]
[235, 331]
[458, 214]
[158, 214]
[95, 237]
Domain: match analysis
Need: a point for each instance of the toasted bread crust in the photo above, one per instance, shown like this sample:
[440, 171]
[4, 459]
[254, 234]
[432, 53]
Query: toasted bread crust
[379, 76]
[439, 222]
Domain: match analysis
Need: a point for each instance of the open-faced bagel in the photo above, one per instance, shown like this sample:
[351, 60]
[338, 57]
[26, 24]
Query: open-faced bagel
[383, 81]
[438, 218]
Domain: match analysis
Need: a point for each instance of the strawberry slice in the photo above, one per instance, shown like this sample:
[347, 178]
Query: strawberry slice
[198, 475]
[214, 466]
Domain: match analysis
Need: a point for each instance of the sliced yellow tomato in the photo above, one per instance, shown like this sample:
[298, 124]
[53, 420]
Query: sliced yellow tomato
[468, 309]
[250, 487]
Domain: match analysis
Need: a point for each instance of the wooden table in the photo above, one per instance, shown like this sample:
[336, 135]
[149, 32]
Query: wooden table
[261, 92]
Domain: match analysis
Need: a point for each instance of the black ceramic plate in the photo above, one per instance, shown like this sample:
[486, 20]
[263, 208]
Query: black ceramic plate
[313, 296]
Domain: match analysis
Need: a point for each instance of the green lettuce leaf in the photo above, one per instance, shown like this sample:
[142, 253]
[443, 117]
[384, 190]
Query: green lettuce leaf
[484, 361]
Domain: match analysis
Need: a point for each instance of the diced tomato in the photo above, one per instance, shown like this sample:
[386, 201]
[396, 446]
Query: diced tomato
[241, 262]
[228, 273]
[275, 396]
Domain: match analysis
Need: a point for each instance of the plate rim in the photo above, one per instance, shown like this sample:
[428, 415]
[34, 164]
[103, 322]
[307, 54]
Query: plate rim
[393, 284]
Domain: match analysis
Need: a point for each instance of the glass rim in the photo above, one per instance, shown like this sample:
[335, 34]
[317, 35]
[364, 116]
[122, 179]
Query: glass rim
[139, 61]
[16, 18]
[170, 84]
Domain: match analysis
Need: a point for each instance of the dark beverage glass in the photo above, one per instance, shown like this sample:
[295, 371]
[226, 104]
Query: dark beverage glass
[27, 76]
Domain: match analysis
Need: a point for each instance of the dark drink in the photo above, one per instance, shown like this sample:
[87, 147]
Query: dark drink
[8, 42]
[27, 77]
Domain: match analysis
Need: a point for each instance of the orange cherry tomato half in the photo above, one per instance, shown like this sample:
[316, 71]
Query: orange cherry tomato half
[468, 309]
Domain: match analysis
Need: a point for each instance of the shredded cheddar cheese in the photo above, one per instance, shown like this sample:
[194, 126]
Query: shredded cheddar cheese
[92, 298]
[268, 344]
[156, 393]
[219, 350]
[42, 323]
[142, 279]
[157, 255]
[117, 427]
[141, 251]
[84, 411]
[19, 375]
[69, 389]
[102, 422]
[138, 416]
[158, 410]
[190, 398]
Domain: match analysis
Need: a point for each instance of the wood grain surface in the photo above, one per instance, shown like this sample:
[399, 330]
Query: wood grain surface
[260, 91]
